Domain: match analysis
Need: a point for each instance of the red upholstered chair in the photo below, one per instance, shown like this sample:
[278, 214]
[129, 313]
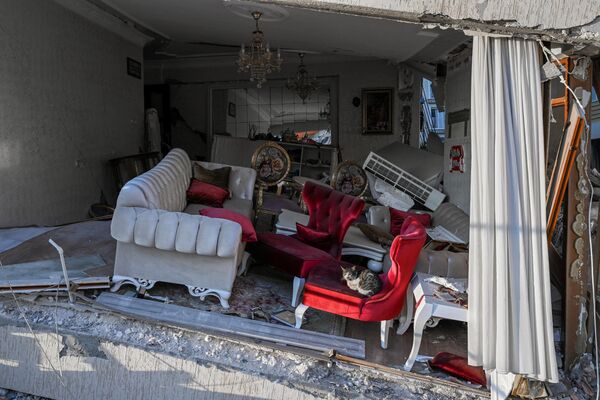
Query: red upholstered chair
[325, 290]
[329, 211]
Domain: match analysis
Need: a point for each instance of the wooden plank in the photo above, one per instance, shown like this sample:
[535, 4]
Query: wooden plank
[565, 161]
[210, 321]
[596, 74]
[53, 286]
[577, 256]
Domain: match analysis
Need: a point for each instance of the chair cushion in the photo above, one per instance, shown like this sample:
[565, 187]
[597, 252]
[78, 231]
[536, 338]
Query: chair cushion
[325, 290]
[248, 231]
[287, 253]
[218, 177]
[205, 193]
[320, 240]
[398, 217]
[459, 367]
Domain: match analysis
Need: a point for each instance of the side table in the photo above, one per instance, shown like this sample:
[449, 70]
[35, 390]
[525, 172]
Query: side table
[428, 307]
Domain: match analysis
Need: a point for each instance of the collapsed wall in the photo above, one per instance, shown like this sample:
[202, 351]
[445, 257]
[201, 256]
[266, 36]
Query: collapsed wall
[78, 352]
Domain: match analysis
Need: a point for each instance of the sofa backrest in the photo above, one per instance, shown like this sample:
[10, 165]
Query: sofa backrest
[163, 187]
[447, 215]
[241, 179]
[453, 219]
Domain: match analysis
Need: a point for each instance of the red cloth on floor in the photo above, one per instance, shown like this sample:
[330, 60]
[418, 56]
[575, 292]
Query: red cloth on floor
[458, 366]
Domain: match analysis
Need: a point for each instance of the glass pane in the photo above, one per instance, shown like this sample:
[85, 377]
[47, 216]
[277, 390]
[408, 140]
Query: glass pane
[273, 109]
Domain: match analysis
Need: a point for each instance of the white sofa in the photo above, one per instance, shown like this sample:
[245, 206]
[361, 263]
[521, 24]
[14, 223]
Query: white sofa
[162, 238]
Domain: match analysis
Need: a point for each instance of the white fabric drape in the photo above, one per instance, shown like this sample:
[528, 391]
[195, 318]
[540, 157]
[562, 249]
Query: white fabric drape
[510, 315]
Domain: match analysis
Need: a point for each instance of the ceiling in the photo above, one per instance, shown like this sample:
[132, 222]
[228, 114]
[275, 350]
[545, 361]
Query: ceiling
[215, 29]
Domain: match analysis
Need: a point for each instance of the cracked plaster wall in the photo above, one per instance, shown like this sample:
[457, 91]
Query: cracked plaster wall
[572, 21]
[67, 106]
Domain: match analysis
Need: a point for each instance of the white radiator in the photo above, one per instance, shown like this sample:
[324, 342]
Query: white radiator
[403, 181]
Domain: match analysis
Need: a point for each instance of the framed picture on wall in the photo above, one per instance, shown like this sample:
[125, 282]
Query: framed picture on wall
[377, 111]
[231, 110]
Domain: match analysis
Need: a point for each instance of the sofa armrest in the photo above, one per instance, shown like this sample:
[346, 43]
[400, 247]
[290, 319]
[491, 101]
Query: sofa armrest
[379, 216]
[175, 231]
[453, 219]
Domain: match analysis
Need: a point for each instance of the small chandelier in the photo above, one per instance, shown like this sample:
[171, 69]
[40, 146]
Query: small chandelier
[303, 85]
[259, 60]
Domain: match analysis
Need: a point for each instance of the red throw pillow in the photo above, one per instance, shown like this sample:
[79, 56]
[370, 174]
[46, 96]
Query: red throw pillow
[248, 231]
[205, 193]
[397, 218]
[318, 239]
[459, 367]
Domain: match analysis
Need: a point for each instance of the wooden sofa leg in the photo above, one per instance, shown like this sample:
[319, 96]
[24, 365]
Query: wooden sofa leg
[384, 332]
[299, 313]
[297, 290]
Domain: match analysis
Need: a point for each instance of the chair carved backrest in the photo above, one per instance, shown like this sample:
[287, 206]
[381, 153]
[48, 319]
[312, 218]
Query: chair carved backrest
[331, 211]
[404, 253]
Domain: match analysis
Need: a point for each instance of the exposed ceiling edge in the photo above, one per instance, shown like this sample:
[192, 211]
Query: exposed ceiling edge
[573, 35]
[105, 20]
[229, 61]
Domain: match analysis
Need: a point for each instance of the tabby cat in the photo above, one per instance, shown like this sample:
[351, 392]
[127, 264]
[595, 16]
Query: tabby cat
[366, 282]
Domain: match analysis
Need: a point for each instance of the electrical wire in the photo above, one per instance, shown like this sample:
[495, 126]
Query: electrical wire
[583, 148]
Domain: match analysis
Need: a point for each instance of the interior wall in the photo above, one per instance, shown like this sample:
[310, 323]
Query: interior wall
[190, 96]
[67, 106]
[457, 185]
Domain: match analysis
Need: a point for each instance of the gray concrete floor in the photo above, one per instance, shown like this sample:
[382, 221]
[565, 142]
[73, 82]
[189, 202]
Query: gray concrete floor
[12, 237]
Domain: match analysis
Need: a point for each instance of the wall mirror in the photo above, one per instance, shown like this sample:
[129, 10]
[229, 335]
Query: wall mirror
[273, 110]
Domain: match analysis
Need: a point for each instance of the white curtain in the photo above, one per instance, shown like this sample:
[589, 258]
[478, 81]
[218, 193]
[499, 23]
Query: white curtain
[510, 315]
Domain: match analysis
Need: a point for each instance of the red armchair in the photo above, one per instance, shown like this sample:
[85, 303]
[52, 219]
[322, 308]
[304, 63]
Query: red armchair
[330, 212]
[325, 290]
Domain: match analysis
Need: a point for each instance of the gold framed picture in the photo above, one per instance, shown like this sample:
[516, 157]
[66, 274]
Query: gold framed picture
[377, 111]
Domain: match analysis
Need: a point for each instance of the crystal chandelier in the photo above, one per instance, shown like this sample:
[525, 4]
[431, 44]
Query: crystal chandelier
[259, 60]
[303, 85]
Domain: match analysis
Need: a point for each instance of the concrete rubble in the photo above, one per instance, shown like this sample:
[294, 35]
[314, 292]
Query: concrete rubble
[96, 337]
[578, 23]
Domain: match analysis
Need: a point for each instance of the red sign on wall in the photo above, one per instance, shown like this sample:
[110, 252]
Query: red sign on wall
[457, 158]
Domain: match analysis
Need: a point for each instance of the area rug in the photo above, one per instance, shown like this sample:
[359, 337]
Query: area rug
[262, 292]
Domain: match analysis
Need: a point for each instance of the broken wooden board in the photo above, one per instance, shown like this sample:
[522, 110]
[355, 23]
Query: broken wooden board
[47, 275]
[202, 320]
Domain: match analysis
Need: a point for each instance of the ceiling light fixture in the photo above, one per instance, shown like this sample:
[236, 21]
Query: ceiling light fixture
[259, 60]
[303, 84]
